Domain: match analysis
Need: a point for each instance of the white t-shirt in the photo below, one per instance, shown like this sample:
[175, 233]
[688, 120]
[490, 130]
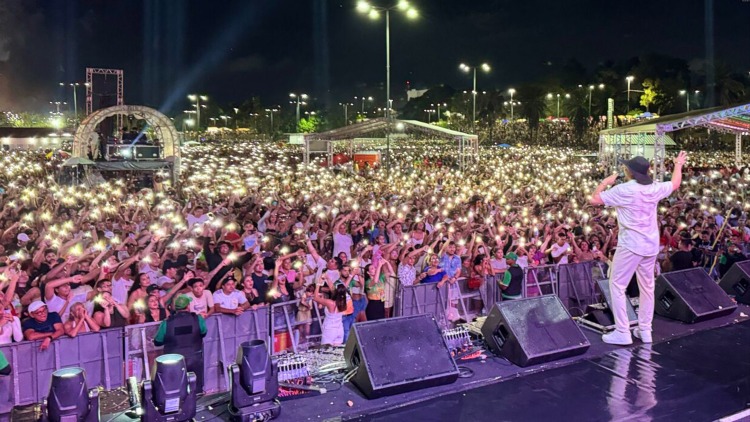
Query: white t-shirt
[317, 268]
[252, 243]
[120, 289]
[193, 220]
[636, 207]
[342, 243]
[56, 304]
[200, 305]
[498, 264]
[561, 250]
[231, 301]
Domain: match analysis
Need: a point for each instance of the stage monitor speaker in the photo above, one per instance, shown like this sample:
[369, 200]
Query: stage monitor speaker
[736, 282]
[534, 330]
[397, 355]
[690, 296]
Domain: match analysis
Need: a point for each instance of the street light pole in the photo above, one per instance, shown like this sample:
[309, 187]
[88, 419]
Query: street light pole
[474, 92]
[373, 12]
[629, 79]
[298, 101]
[511, 92]
[197, 98]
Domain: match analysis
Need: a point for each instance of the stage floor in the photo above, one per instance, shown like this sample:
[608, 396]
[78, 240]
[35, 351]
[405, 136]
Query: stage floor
[691, 372]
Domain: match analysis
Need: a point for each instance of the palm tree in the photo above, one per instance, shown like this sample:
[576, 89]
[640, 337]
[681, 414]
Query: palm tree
[729, 88]
[532, 106]
[577, 110]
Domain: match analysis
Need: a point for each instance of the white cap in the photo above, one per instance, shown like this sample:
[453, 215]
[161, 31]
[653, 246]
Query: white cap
[36, 305]
[23, 237]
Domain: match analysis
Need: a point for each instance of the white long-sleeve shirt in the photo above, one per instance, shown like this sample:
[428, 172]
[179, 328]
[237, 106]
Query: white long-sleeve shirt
[11, 331]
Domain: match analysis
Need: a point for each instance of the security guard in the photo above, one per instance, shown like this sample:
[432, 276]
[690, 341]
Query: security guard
[182, 333]
[512, 282]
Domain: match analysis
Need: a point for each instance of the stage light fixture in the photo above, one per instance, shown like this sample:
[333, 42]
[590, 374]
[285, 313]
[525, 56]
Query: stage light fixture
[254, 383]
[69, 400]
[171, 396]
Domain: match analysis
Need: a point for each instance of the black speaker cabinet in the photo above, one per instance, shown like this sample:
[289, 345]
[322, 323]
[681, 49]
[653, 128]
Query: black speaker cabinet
[397, 355]
[534, 330]
[736, 282]
[690, 296]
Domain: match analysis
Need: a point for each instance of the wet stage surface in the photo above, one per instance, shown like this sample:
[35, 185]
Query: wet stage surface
[700, 377]
[693, 372]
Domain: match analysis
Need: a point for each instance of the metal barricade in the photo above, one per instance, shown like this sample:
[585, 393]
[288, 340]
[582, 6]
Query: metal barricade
[99, 354]
[577, 285]
[140, 350]
[283, 318]
[463, 296]
[539, 281]
[423, 299]
[224, 336]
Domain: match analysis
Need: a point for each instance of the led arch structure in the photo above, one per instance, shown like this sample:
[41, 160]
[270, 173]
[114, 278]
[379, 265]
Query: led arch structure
[161, 124]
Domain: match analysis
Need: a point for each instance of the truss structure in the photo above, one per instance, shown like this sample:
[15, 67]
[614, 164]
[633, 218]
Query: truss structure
[468, 145]
[733, 119]
[90, 72]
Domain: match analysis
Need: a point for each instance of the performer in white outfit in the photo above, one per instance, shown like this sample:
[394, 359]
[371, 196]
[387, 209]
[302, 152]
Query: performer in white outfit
[636, 204]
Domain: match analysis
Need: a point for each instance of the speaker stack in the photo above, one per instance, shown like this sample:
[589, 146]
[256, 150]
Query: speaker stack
[736, 282]
[690, 296]
[533, 330]
[397, 355]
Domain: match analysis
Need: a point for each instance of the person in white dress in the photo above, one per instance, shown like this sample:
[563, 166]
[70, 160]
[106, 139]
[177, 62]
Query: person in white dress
[333, 325]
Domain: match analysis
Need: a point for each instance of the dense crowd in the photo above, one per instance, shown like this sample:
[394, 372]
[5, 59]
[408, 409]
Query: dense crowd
[248, 226]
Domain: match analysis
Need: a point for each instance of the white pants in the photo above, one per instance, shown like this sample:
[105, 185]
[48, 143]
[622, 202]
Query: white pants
[624, 264]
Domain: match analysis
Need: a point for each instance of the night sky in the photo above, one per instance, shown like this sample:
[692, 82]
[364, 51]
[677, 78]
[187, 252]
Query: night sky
[232, 50]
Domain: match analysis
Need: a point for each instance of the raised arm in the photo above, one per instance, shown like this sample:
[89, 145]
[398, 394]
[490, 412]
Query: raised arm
[679, 161]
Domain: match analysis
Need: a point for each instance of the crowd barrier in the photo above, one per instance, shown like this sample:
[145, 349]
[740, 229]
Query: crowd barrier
[422, 299]
[100, 354]
[110, 356]
[574, 284]
[285, 326]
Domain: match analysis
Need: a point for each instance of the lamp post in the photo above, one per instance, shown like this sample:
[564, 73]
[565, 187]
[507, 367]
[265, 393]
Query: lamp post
[438, 105]
[511, 92]
[197, 98]
[298, 99]
[363, 98]
[225, 118]
[75, 86]
[549, 96]
[270, 112]
[466, 68]
[57, 106]
[429, 115]
[374, 13]
[236, 111]
[255, 118]
[346, 112]
[629, 79]
[686, 93]
[591, 91]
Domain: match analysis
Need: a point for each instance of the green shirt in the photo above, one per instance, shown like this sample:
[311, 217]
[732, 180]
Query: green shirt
[3, 361]
[159, 338]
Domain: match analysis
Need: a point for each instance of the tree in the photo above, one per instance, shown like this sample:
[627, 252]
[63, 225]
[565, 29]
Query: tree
[532, 106]
[651, 93]
[577, 108]
[308, 124]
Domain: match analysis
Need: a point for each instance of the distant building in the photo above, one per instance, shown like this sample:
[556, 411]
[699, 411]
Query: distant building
[31, 138]
[414, 93]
